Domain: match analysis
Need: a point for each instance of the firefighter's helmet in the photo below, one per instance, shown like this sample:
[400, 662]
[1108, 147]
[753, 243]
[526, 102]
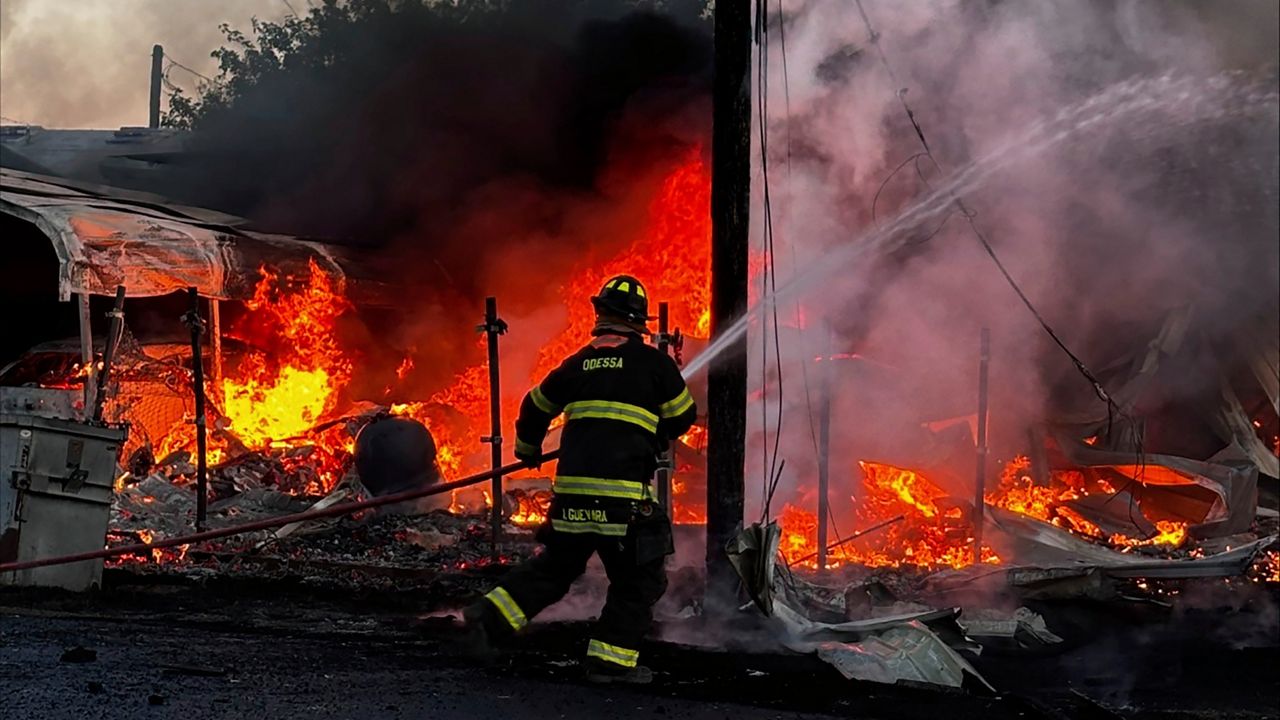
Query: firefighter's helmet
[624, 296]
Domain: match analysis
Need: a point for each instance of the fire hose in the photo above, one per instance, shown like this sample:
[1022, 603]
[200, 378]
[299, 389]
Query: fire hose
[332, 511]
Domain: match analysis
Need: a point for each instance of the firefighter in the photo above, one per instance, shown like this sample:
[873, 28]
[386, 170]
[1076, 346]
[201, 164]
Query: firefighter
[622, 399]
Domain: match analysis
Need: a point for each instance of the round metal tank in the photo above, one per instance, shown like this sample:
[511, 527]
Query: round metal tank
[394, 454]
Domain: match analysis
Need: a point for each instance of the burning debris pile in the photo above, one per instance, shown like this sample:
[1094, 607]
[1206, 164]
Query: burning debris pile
[283, 418]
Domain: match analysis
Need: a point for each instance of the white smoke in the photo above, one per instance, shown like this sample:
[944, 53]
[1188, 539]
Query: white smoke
[1106, 233]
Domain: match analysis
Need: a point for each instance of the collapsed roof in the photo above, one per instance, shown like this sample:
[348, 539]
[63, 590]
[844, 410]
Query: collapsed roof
[106, 237]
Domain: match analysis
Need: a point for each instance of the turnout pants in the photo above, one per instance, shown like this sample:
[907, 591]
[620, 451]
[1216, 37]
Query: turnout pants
[637, 579]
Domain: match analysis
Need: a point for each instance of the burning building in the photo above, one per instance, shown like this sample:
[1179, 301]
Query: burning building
[1141, 450]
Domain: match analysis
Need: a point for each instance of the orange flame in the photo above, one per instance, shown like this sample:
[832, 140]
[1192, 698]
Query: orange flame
[285, 393]
[672, 258]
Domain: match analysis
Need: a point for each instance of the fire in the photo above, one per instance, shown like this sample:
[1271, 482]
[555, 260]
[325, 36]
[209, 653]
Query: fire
[672, 257]
[530, 507]
[285, 392]
[928, 534]
[933, 534]
[287, 385]
[1018, 492]
[696, 438]
[902, 486]
[403, 369]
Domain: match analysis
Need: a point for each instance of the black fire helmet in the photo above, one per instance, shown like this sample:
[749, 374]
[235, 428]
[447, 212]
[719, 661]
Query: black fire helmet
[624, 296]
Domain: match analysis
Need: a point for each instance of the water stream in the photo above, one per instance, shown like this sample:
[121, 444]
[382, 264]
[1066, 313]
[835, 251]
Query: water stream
[1156, 107]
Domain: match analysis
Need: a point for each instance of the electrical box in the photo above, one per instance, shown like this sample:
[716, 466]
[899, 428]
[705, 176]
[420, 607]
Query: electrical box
[57, 480]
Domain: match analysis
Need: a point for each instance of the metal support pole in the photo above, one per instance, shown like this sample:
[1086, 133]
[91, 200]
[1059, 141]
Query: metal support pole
[86, 352]
[157, 74]
[824, 446]
[108, 354]
[215, 338]
[493, 327]
[1038, 455]
[196, 324]
[667, 457]
[981, 478]
[727, 375]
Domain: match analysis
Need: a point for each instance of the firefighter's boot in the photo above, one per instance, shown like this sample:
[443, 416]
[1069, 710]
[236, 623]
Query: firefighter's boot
[607, 673]
[475, 642]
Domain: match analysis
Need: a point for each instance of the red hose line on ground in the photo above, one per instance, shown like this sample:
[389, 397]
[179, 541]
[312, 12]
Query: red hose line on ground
[328, 512]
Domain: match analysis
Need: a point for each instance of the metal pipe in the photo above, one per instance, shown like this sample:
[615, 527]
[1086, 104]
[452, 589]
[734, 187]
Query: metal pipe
[332, 511]
[727, 374]
[980, 480]
[822, 549]
[196, 324]
[824, 446]
[493, 327]
[86, 351]
[665, 469]
[108, 354]
[1038, 456]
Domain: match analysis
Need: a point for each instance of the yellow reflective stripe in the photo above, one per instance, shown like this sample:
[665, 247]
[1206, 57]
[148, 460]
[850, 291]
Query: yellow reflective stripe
[605, 410]
[610, 529]
[612, 653]
[525, 448]
[624, 286]
[677, 406]
[542, 402]
[640, 290]
[502, 600]
[604, 487]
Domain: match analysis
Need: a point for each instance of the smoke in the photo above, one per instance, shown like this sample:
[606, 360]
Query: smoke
[1106, 234]
[87, 64]
[471, 152]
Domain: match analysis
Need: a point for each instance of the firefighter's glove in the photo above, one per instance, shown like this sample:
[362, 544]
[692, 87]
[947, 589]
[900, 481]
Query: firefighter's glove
[529, 455]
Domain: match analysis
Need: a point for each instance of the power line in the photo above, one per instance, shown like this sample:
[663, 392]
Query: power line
[769, 284]
[171, 61]
[969, 216]
[1113, 409]
[804, 346]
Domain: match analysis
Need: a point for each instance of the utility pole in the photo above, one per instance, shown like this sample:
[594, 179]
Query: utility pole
[727, 375]
[157, 73]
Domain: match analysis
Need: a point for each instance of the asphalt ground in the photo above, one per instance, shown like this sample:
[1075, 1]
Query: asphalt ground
[283, 650]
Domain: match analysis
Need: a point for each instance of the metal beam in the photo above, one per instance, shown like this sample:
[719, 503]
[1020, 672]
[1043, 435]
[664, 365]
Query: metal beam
[215, 339]
[86, 352]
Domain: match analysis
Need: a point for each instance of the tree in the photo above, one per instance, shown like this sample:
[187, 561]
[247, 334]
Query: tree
[328, 35]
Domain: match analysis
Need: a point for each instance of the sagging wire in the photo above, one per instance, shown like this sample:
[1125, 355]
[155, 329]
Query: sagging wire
[1113, 408]
[804, 346]
[772, 470]
[875, 199]
[173, 63]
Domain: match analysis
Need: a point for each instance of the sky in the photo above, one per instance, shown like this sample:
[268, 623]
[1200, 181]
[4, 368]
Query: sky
[87, 63]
